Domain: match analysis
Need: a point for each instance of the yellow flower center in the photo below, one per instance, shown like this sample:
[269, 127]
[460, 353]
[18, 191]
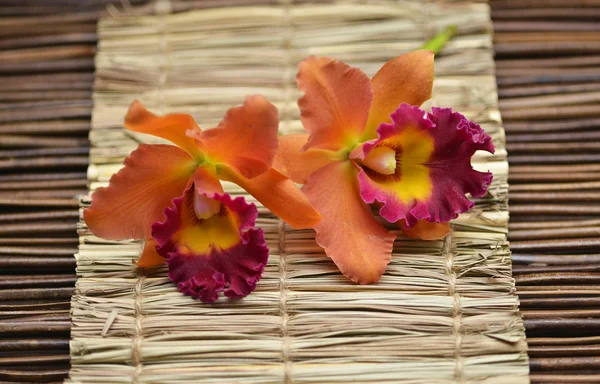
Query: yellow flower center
[382, 160]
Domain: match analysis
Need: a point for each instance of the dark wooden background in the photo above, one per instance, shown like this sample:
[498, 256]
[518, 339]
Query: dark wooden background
[548, 67]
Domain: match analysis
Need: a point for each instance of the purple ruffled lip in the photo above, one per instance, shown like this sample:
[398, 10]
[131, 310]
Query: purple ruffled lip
[223, 253]
[446, 174]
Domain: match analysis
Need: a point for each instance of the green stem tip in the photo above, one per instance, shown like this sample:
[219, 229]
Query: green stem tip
[438, 42]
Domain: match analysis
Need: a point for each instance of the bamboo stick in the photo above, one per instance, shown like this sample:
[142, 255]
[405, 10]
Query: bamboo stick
[77, 65]
[570, 147]
[44, 152]
[42, 176]
[555, 209]
[519, 169]
[537, 90]
[588, 350]
[566, 77]
[43, 194]
[551, 125]
[555, 224]
[557, 313]
[565, 363]
[553, 137]
[14, 281]
[544, 13]
[538, 26]
[45, 227]
[566, 259]
[575, 244]
[68, 94]
[564, 341]
[558, 268]
[558, 302]
[552, 112]
[556, 159]
[52, 19]
[558, 233]
[44, 113]
[36, 264]
[18, 327]
[592, 185]
[37, 81]
[38, 241]
[560, 278]
[40, 375]
[26, 141]
[519, 4]
[564, 378]
[550, 100]
[47, 184]
[35, 344]
[38, 251]
[35, 293]
[49, 29]
[29, 360]
[41, 202]
[43, 215]
[582, 176]
[36, 41]
[44, 162]
[552, 197]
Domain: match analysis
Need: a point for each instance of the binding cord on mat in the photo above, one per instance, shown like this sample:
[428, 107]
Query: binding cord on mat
[456, 309]
[285, 340]
[138, 325]
[289, 70]
[162, 8]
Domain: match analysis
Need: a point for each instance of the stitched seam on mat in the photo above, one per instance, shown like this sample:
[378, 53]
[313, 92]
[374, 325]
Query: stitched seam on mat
[456, 309]
[285, 340]
[288, 64]
[162, 8]
[288, 70]
[138, 325]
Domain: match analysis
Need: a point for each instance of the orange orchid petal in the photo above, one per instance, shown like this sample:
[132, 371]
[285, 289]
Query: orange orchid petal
[172, 127]
[279, 194]
[405, 79]
[150, 257]
[296, 164]
[206, 181]
[426, 230]
[336, 102]
[349, 233]
[139, 193]
[246, 139]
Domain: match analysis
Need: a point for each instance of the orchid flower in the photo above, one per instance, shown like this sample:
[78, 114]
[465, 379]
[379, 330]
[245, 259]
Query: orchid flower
[207, 238]
[368, 142]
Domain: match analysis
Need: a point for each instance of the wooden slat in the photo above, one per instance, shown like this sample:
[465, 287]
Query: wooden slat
[551, 109]
[46, 72]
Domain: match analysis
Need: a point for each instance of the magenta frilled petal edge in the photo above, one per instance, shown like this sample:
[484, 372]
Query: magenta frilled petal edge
[223, 253]
[433, 172]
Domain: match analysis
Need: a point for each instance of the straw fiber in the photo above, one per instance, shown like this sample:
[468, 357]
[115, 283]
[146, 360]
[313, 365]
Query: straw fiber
[444, 312]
